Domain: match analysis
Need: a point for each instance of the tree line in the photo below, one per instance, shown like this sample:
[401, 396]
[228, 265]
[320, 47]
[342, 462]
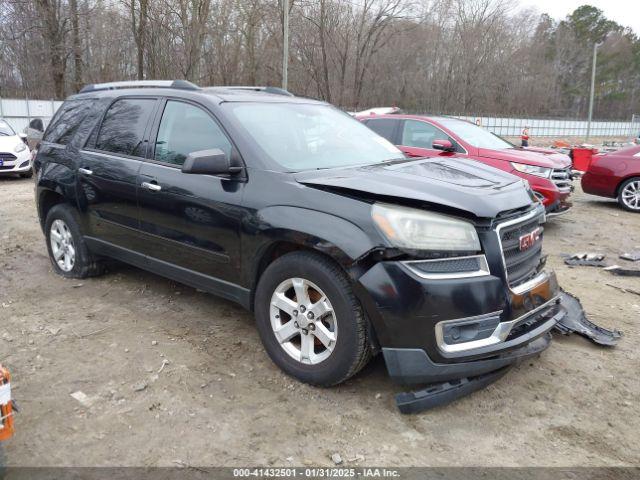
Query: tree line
[441, 56]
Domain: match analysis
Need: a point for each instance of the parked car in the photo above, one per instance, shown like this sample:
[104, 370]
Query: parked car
[616, 175]
[340, 245]
[548, 172]
[15, 157]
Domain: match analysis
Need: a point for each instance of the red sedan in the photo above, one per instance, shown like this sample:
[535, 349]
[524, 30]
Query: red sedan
[548, 172]
[616, 175]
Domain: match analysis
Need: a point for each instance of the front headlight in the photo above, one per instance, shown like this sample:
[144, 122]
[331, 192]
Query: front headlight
[416, 229]
[532, 169]
[21, 147]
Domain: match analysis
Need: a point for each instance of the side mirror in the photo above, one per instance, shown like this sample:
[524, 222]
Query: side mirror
[444, 145]
[209, 162]
[23, 137]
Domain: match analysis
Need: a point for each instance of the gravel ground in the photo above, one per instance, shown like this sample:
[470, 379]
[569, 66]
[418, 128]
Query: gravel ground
[172, 376]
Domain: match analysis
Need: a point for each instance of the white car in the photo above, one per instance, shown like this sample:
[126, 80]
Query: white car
[15, 157]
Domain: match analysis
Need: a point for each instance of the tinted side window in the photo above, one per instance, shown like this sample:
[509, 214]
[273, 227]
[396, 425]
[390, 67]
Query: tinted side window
[385, 127]
[185, 128]
[67, 120]
[122, 130]
[421, 134]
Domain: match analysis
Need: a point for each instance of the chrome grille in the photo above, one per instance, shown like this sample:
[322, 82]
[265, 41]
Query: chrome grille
[521, 265]
[562, 178]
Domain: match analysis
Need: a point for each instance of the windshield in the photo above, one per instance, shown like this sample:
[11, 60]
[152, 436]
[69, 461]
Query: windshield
[306, 137]
[474, 135]
[5, 129]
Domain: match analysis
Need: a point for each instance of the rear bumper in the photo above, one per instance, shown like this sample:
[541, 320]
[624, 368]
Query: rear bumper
[601, 185]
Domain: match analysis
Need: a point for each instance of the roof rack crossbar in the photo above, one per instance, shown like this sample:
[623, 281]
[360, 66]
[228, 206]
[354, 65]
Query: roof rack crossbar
[272, 90]
[179, 84]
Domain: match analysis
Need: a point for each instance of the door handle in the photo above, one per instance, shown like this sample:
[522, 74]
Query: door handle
[154, 187]
[85, 171]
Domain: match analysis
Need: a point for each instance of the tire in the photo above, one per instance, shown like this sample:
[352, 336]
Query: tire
[343, 321]
[626, 199]
[28, 174]
[61, 220]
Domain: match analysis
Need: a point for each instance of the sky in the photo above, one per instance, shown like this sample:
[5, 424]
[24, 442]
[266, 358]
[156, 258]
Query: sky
[625, 12]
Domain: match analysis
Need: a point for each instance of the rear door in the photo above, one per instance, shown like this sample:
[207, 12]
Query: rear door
[190, 221]
[108, 169]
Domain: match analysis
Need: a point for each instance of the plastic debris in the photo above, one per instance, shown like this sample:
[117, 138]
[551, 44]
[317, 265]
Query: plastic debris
[585, 259]
[576, 321]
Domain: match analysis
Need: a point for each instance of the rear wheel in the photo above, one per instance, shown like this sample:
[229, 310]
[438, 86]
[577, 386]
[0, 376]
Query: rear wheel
[629, 194]
[67, 248]
[309, 320]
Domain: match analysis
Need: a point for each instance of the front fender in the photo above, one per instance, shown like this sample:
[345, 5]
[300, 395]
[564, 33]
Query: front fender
[340, 239]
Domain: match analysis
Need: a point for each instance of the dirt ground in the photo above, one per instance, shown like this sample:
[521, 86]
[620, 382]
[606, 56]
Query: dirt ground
[218, 399]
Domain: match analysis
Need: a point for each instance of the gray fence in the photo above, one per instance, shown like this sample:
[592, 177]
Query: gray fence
[19, 112]
[540, 127]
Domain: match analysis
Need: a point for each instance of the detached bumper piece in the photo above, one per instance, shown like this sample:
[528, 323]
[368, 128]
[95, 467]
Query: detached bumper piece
[576, 321]
[456, 380]
[443, 393]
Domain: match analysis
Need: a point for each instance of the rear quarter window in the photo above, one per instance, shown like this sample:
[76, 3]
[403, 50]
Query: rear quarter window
[385, 127]
[67, 120]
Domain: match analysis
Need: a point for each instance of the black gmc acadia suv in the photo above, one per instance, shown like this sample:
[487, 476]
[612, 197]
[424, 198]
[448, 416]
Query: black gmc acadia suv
[340, 245]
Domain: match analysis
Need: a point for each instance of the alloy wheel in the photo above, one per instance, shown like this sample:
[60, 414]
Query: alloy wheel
[62, 245]
[631, 195]
[303, 321]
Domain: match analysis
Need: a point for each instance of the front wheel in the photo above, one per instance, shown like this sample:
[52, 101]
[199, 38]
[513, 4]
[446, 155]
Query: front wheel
[310, 321]
[629, 194]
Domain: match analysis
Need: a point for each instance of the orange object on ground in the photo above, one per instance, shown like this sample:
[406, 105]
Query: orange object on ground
[581, 157]
[6, 409]
[561, 144]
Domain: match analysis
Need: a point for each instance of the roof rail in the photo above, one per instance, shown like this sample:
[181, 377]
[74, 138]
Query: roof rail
[272, 90]
[179, 84]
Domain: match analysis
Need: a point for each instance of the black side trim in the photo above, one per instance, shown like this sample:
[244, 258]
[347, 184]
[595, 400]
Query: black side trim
[218, 287]
[413, 365]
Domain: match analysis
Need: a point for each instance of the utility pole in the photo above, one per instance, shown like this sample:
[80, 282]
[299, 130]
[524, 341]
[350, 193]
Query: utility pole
[593, 84]
[285, 43]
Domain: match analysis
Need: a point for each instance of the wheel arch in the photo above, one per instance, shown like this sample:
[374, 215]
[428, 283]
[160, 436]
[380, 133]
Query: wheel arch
[47, 199]
[628, 177]
[292, 228]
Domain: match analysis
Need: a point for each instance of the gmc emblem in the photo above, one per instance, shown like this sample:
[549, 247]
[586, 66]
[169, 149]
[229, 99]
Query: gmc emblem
[528, 240]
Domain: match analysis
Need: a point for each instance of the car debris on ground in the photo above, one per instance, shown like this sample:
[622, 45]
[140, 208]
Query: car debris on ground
[625, 272]
[576, 321]
[633, 256]
[585, 259]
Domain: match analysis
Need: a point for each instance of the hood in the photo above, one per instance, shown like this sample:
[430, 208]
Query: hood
[454, 183]
[8, 144]
[530, 157]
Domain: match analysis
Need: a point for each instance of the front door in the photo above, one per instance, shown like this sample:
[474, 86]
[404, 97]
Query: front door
[108, 168]
[416, 139]
[188, 220]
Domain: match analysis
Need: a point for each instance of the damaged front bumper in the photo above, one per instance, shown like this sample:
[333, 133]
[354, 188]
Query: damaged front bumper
[459, 334]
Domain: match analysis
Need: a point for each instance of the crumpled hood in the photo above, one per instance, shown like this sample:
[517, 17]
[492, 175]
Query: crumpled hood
[8, 144]
[530, 157]
[452, 182]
